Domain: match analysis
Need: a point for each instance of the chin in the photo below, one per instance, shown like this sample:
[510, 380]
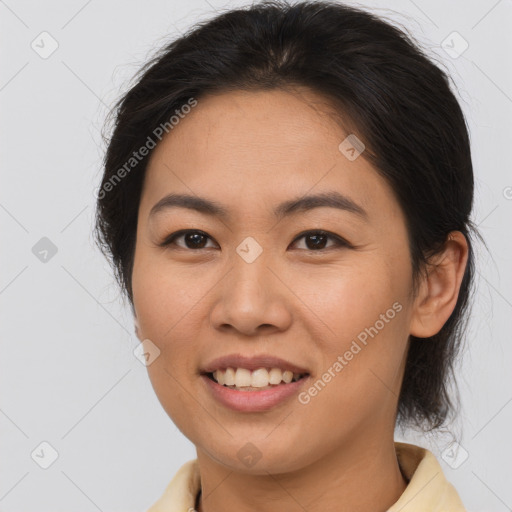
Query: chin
[256, 458]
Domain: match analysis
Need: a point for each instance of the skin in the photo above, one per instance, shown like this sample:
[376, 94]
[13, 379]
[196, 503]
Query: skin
[250, 151]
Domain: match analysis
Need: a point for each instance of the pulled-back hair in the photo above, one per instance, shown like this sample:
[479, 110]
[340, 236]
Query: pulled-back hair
[385, 89]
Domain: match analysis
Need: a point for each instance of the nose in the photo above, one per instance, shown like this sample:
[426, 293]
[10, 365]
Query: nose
[252, 299]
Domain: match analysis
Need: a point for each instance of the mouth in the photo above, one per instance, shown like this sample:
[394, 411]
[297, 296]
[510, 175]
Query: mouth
[243, 379]
[256, 383]
[256, 391]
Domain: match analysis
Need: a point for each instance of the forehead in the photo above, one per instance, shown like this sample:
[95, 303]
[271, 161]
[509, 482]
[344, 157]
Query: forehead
[256, 148]
[234, 126]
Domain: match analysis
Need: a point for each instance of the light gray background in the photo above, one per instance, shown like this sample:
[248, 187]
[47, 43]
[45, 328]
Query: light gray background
[67, 372]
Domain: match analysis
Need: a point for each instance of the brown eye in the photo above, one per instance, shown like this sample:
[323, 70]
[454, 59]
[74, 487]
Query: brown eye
[193, 239]
[317, 240]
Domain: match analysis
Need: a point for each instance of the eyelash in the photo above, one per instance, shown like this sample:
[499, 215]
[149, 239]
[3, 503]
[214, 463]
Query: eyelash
[339, 241]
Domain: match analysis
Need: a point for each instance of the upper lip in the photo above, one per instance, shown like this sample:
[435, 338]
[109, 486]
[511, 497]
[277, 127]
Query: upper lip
[251, 363]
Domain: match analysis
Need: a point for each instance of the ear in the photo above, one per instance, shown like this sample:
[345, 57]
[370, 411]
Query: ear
[439, 287]
[137, 327]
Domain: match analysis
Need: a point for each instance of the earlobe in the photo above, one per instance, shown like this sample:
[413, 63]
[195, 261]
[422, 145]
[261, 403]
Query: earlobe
[439, 287]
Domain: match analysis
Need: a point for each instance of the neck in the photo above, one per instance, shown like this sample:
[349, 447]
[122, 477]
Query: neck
[365, 477]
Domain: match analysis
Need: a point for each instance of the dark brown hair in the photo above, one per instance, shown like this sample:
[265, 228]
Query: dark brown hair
[397, 101]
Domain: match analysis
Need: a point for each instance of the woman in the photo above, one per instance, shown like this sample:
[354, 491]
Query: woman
[286, 203]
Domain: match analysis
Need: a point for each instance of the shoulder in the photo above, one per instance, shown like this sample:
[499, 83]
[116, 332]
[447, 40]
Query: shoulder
[180, 494]
[428, 489]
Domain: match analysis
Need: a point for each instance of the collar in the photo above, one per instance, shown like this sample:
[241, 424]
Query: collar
[428, 489]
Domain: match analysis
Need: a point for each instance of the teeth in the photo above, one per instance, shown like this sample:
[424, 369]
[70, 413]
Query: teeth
[242, 378]
[287, 376]
[219, 377]
[229, 376]
[275, 376]
[260, 378]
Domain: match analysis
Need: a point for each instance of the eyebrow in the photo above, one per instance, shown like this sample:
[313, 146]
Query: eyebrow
[302, 204]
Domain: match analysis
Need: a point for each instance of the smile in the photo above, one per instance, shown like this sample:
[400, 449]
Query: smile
[249, 398]
[259, 379]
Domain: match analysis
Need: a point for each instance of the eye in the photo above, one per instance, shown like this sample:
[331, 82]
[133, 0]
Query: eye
[193, 239]
[316, 240]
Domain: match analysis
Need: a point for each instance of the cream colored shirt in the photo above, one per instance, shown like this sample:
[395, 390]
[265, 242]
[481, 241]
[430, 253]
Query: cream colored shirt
[427, 491]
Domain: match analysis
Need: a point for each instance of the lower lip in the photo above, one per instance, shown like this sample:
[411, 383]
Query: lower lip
[253, 401]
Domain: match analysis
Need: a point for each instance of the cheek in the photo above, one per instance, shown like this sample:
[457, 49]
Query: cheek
[164, 300]
[164, 294]
[345, 299]
[360, 315]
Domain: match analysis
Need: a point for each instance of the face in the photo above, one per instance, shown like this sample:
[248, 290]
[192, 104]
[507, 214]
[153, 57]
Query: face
[325, 287]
